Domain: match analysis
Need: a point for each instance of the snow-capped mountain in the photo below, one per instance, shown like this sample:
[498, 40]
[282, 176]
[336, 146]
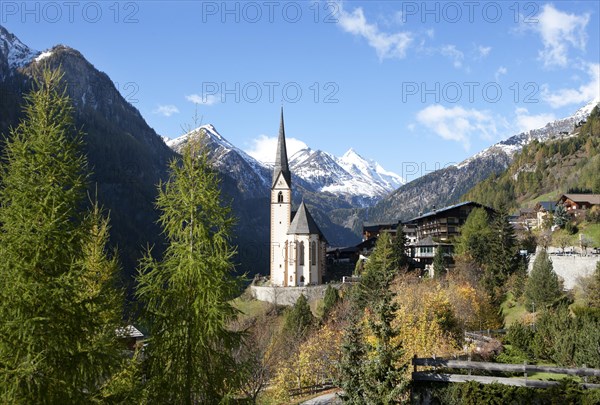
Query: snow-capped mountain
[350, 175]
[560, 128]
[13, 53]
[357, 179]
[446, 186]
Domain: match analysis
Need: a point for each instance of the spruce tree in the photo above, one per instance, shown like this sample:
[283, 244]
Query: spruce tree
[439, 262]
[503, 257]
[330, 300]
[400, 243]
[186, 295]
[561, 216]
[542, 287]
[298, 319]
[351, 365]
[58, 302]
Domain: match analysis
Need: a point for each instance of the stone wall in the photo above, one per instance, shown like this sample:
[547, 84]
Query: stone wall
[571, 267]
[289, 295]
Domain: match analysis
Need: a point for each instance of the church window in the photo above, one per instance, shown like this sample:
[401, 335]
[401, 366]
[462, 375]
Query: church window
[280, 197]
[301, 254]
[313, 253]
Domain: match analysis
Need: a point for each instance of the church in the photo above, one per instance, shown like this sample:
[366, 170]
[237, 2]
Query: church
[297, 244]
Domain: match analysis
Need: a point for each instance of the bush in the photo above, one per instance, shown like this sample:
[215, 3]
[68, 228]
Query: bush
[571, 228]
[520, 337]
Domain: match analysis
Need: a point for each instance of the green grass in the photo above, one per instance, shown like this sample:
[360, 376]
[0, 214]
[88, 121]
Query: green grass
[512, 310]
[551, 196]
[591, 231]
[249, 307]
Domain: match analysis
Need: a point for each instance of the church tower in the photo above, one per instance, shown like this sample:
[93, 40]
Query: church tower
[281, 211]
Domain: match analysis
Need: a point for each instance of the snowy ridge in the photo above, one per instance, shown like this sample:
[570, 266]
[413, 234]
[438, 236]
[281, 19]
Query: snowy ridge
[16, 53]
[349, 176]
[560, 128]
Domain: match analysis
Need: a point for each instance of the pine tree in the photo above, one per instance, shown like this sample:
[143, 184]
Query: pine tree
[351, 371]
[58, 302]
[186, 295]
[330, 300]
[400, 243]
[384, 380]
[298, 319]
[439, 262]
[542, 287]
[503, 255]
[561, 216]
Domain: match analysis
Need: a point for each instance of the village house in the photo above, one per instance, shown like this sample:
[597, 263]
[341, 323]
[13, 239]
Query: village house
[577, 204]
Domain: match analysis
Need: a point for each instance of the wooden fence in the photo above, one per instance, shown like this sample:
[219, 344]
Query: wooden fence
[312, 389]
[525, 369]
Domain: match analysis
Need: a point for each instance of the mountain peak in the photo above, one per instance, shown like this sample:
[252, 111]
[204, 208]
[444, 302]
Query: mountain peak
[15, 52]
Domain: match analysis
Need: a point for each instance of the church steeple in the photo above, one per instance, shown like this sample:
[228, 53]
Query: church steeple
[281, 160]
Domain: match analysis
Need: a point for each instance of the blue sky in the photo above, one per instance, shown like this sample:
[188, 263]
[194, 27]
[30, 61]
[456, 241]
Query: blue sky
[405, 83]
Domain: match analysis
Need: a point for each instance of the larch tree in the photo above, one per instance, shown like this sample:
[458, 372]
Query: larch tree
[186, 295]
[59, 305]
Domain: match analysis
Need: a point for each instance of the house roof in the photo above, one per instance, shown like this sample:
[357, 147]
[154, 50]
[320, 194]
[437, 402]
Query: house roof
[546, 205]
[441, 210]
[593, 199]
[303, 223]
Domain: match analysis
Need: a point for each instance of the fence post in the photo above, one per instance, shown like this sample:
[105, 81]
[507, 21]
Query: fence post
[525, 368]
[585, 378]
[469, 359]
[415, 363]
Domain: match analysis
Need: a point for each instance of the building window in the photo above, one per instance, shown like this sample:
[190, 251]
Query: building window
[301, 254]
[313, 253]
[302, 279]
[280, 197]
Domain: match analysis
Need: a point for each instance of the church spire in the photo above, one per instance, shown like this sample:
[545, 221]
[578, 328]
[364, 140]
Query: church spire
[281, 161]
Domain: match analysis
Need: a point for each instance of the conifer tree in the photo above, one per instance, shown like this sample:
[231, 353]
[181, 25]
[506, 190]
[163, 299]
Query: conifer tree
[379, 270]
[502, 257]
[186, 295]
[542, 287]
[298, 319]
[561, 216]
[58, 303]
[439, 262]
[330, 300]
[400, 243]
[351, 367]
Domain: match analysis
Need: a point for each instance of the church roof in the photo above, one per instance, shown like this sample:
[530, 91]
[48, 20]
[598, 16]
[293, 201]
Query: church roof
[281, 160]
[303, 223]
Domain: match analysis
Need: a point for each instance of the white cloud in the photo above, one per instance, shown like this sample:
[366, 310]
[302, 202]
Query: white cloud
[559, 31]
[483, 51]
[166, 110]
[454, 54]
[387, 45]
[586, 92]
[208, 99]
[499, 72]
[457, 123]
[264, 148]
[526, 122]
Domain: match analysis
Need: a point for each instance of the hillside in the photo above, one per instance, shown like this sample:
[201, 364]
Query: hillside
[447, 186]
[546, 169]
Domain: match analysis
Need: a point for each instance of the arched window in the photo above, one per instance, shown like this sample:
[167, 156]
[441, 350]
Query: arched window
[313, 253]
[301, 254]
[280, 197]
